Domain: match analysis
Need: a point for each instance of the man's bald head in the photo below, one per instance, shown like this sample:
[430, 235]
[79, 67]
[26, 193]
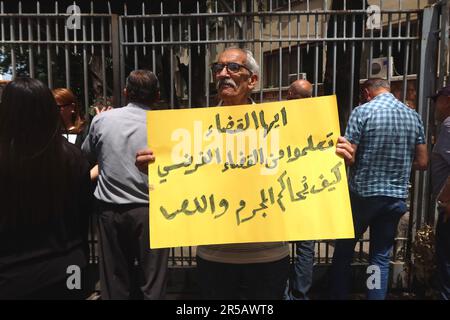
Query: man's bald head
[300, 89]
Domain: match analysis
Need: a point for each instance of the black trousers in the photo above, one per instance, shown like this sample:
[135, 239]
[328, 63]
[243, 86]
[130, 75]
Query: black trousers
[124, 240]
[255, 281]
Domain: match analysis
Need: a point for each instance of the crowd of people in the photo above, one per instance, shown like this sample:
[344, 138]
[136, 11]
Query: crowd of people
[55, 170]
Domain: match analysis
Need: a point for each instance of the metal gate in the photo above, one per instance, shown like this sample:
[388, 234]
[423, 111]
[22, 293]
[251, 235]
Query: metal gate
[334, 44]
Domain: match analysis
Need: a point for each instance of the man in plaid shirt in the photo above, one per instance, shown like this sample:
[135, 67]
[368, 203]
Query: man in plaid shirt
[388, 138]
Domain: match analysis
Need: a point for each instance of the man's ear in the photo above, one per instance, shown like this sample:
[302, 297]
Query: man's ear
[252, 81]
[367, 94]
[125, 92]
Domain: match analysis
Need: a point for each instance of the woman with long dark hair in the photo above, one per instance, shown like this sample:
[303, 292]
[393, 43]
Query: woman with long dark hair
[45, 197]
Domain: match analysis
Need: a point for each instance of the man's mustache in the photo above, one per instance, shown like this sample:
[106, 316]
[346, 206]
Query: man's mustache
[226, 81]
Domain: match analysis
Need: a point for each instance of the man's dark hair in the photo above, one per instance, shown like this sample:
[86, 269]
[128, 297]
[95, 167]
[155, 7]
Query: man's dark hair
[376, 83]
[142, 86]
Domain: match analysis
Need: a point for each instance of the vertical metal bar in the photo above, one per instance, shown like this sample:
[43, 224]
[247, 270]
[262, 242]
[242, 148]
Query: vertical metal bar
[399, 25]
[85, 69]
[363, 30]
[344, 25]
[2, 27]
[135, 49]
[261, 59]
[125, 23]
[13, 52]
[190, 66]
[225, 29]
[198, 28]
[352, 71]
[117, 58]
[370, 52]
[289, 42]
[406, 59]
[207, 54]
[316, 70]
[389, 48]
[316, 58]
[20, 27]
[253, 26]
[49, 55]
[298, 46]
[307, 25]
[217, 22]
[234, 20]
[172, 100]
[104, 83]
[381, 27]
[144, 36]
[162, 28]
[75, 47]
[334, 54]
[319, 253]
[30, 50]
[38, 11]
[280, 59]
[92, 27]
[153, 46]
[443, 56]
[67, 56]
[57, 28]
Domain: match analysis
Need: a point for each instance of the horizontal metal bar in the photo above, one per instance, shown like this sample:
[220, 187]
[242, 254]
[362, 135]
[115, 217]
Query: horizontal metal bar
[277, 13]
[17, 42]
[51, 15]
[303, 40]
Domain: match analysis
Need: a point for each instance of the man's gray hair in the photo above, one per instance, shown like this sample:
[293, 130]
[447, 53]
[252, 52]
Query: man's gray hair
[250, 62]
[376, 83]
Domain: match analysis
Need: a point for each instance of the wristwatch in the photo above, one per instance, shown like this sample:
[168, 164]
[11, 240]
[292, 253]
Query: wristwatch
[442, 204]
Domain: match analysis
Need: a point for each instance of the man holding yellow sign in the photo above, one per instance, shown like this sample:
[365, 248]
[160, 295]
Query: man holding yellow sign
[264, 178]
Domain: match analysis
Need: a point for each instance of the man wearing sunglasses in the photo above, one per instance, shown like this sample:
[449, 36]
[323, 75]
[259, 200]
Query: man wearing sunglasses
[244, 270]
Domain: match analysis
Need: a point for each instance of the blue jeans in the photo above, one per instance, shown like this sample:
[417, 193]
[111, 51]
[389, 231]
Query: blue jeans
[443, 256]
[382, 215]
[300, 280]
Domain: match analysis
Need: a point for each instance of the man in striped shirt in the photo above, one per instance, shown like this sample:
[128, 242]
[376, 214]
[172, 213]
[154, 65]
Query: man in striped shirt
[388, 138]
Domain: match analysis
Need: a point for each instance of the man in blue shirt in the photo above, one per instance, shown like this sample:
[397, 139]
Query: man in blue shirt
[122, 193]
[389, 139]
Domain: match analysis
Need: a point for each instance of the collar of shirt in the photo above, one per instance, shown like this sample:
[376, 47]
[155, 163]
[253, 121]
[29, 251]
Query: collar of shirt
[138, 105]
[221, 101]
[385, 95]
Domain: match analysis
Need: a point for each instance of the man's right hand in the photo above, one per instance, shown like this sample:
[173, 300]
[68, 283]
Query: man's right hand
[143, 159]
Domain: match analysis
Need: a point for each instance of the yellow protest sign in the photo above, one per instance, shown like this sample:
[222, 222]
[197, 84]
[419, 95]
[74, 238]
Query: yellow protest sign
[250, 173]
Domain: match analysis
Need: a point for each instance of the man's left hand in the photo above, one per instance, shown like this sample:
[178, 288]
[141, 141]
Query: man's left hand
[345, 149]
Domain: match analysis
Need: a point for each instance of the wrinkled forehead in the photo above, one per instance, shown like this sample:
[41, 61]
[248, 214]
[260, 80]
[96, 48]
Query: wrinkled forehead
[232, 55]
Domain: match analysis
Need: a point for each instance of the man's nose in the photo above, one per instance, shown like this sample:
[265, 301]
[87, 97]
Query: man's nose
[223, 73]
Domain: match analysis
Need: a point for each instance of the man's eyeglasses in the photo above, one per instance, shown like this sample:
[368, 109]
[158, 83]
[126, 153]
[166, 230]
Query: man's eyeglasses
[231, 67]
